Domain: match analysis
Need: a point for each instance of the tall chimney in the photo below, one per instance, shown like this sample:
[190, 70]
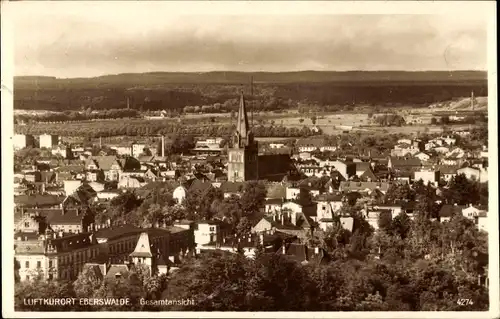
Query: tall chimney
[162, 146]
[472, 100]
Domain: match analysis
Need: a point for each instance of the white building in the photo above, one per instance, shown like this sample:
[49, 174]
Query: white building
[427, 176]
[122, 150]
[49, 140]
[71, 186]
[208, 232]
[137, 149]
[480, 175]
[179, 194]
[21, 141]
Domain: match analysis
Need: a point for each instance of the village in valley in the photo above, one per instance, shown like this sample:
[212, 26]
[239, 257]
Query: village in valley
[251, 161]
[100, 211]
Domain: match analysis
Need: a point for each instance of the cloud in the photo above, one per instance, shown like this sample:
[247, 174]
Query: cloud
[69, 43]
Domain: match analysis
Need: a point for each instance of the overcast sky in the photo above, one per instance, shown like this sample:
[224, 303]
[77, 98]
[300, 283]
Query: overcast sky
[67, 41]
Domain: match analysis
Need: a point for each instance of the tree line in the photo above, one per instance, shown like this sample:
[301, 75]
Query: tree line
[71, 116]
[145, 128]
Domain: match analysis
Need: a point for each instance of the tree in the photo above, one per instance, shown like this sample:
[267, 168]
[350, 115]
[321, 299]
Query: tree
[269, 290]
[400, 225]
[208, 196]
[253, 198]
[384, 220]
[399, 192]
[244, 226]
[127, 286]
[230, 210]
[38, 288]
[120, 209]
[87, 282]
[462, 191]
[313, 119]
[426, 207]
[172, 213]
[216, 282]
[153, 284]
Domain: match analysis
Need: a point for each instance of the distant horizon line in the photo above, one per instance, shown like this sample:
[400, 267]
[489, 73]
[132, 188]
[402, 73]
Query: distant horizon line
[249, 72]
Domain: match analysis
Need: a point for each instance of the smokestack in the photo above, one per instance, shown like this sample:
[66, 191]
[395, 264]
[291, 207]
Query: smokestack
[162, 146]
[472, 100]
[100, 141]
[128, 103]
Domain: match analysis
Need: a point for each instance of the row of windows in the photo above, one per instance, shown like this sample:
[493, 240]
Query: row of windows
[38, 264]
[121, 247]
[81, 256]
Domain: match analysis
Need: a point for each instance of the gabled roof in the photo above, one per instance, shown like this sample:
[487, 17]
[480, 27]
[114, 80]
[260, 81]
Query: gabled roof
[316, 142]
[198, 185]
[301, 253]
[143, 248]
[329, 198]
[362, 166]
[280, 226]
[447, 169]
[59, 216]
[116, 232]
[347, 222]
[337, 175]
[304, 221]
[402, 162]
[362, 186]
[450, 210]
[468, 168]
[146, 159]
[368, 174]
[38, 200]
[103, 162]
[232, 187]
[115, 270]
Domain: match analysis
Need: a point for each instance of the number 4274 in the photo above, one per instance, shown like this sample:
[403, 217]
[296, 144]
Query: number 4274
[465, 302]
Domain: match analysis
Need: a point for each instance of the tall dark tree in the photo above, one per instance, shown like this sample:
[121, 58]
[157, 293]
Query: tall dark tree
[253, 197]
[462, 191]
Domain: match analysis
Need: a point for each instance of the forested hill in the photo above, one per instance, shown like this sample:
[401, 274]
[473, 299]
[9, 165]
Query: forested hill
[162, 90]
[156, 78]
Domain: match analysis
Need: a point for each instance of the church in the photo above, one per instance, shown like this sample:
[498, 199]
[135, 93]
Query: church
[244, 161]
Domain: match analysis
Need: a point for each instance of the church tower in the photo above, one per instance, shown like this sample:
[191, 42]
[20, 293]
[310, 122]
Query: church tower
[242, 162]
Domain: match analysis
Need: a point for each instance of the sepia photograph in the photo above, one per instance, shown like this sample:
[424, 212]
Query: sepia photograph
[247, 159]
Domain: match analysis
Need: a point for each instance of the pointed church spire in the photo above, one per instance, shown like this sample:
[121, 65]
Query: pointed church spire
[242, 123]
